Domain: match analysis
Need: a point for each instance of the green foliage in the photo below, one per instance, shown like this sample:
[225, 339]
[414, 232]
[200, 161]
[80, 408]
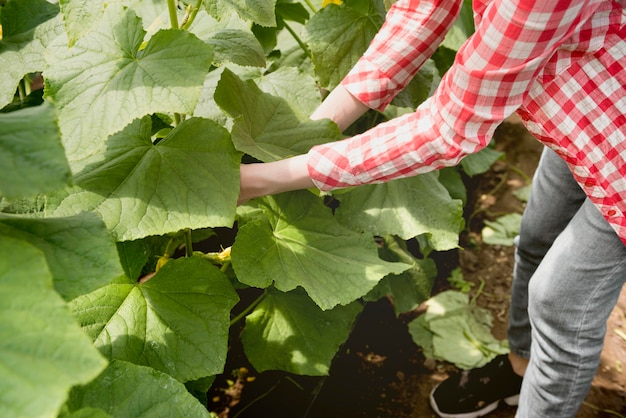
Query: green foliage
[43, 351]
[456, 330]
[503, 230]
[148, 110]
[289, 326]
[31, 167]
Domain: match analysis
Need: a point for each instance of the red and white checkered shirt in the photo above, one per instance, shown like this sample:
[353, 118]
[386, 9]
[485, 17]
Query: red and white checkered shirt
[561, 65]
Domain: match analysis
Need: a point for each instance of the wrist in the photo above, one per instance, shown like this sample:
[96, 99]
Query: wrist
[263, 179]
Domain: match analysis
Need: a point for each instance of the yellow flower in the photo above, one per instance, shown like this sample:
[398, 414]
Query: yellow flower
[327, 2]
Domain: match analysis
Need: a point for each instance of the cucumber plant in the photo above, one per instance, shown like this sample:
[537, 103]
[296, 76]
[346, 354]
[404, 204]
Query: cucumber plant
[130, 159]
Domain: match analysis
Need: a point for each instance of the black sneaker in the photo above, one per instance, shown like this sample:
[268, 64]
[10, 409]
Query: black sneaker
[474, 393]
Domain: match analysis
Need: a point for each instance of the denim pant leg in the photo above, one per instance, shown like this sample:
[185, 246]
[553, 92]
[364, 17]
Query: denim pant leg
[554, 200]
[571, 295]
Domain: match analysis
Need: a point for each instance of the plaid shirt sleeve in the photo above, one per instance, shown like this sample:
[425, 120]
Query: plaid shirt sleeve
[488, 82]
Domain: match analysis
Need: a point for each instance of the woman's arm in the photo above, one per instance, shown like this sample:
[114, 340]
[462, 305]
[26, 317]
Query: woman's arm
[416, 28]
[487, 82]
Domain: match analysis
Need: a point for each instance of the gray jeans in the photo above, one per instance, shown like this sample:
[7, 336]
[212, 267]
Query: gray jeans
[570, 268]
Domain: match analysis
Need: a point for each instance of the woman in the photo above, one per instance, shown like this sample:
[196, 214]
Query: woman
[560, 65]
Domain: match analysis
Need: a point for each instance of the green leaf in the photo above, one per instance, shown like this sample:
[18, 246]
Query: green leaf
[410, 288]
[31, 154]
[232, 40]
[300, 243]
[80, 252]
[133, 256]
[190, 179]
[177, 322]
[421, 87]
[43, 353]
[259, 11]
[104, 81]
[461, 331]
[291, 11]
[503, 230]
[407, 208]
[301, 338]
[339, 35]
[481, 161]
[238, 47]
[81, 16]
[28, 26]
[265, 126]
[87, 413]
[462, 29]
[129, 390]
[296, 88]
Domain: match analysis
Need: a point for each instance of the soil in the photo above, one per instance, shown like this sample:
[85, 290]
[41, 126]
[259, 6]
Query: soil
[380, 372]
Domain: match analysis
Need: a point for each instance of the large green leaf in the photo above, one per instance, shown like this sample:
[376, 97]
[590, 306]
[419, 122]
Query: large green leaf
[105, 81]
[81, 16]
[190, 179]
[232, 40]
[43, 352]
[456, 330]
[339, 35]
[299, 243]
[265, 126]
[177, 322]
[289, 326]
[297, 88]
[258, 11]
[27, 28]
[407, 208]
[126, 390]
[80, 252]
[31, 155]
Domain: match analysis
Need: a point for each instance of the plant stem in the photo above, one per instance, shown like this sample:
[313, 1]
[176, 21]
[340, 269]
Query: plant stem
[523, 175]
[479, 291]
[21, 90]
[171, 7]
[298, 40]
[192, 15]
[248, 309]
[188, 243]
[308, 3]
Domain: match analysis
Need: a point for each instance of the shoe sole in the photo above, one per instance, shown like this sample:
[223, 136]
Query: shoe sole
[511, 401]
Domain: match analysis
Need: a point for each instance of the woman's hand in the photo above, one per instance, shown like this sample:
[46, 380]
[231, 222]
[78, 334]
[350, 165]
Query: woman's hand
[261, 179]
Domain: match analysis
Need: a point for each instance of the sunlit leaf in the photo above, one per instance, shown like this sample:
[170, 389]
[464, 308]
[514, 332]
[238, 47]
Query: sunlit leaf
[407, 208]
[79, 251]
[28, 26]
[289, 326]
[129, 390]
[104, 81]
[265, 126]
[177, 322]
[300, 243]
[190, 179]
[31, 155]
[339, 35]
[43, 352]
[260, 12]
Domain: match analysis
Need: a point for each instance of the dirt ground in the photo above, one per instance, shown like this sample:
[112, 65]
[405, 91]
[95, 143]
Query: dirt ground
[380, 372]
